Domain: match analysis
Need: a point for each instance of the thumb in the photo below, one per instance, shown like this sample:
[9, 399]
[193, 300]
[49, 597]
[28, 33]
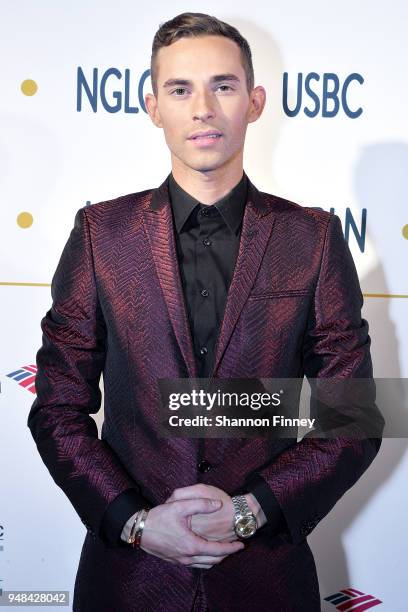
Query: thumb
[197, 505]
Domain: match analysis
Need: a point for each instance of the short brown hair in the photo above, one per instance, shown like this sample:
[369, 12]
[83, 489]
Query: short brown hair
[194, 25]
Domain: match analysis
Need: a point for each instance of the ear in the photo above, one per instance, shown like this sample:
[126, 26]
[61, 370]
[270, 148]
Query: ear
[153, 110]
[256, 103]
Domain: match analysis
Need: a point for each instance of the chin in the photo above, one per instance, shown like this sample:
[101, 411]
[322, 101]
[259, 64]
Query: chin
[203, 166]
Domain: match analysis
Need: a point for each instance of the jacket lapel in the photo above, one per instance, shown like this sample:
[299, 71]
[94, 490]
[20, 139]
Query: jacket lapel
[256, 228]
[160, 229]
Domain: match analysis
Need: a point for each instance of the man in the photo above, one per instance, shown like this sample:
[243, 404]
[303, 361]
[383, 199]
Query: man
[203, 276]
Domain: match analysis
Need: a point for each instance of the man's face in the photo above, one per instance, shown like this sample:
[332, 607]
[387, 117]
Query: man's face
[206, 102]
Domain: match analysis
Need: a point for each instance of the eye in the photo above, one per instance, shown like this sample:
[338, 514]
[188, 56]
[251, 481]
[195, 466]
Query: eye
[227, 87]
[178, 89]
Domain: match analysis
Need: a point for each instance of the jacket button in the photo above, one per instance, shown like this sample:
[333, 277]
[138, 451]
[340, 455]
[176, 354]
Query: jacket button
[204, 466]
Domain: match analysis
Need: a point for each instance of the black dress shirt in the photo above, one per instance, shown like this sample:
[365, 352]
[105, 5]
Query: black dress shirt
[207, 240]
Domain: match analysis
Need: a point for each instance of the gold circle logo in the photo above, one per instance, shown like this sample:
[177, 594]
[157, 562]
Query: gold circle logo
[25, 219]
[29, 87]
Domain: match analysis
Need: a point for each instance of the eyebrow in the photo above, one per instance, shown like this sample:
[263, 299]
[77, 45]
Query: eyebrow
[215, 79]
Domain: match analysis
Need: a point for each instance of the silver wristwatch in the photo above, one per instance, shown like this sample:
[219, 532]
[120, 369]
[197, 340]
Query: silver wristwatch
[245, 523]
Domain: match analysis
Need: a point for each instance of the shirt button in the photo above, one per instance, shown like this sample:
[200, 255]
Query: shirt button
[204, 212]
[203, 350]
[206, 242]
[204, 466]
[204, 292]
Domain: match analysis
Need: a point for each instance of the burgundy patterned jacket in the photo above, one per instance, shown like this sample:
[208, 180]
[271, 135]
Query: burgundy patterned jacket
[293, 309]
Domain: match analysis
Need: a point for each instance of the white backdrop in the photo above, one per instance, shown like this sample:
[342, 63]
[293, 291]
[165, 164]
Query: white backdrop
[56, 158]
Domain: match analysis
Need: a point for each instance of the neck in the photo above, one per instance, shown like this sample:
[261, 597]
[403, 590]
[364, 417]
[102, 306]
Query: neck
[207, 186]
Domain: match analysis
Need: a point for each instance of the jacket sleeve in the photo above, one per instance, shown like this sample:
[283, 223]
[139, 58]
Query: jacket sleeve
[309, 477]
[70, 362]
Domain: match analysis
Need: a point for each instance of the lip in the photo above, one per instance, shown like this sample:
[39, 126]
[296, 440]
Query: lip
[204, 141]
[204, 133]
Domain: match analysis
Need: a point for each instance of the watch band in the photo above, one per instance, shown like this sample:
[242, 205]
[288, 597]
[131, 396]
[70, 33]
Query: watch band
[241, 507]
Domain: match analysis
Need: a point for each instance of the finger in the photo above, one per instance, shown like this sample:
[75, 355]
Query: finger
[195, 506]
[190, 492]
[206, 560]
[218, 549]
[173, 498]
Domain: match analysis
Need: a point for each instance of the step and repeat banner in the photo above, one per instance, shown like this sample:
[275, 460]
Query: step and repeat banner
[75, 131]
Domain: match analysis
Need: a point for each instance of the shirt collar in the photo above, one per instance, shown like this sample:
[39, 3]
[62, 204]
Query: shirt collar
[231, 206]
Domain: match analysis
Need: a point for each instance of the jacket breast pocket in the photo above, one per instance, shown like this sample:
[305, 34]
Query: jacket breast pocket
[286, 293]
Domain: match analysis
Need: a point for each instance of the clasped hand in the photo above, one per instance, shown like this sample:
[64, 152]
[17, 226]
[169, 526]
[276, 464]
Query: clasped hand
[191, 528]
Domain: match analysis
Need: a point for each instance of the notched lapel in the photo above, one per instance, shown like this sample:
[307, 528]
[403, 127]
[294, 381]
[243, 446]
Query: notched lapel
[257, 225]
[160, 230]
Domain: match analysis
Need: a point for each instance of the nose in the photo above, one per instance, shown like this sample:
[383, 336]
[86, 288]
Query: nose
[203, 107]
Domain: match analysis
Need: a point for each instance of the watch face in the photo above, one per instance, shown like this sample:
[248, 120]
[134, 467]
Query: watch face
[245, 526]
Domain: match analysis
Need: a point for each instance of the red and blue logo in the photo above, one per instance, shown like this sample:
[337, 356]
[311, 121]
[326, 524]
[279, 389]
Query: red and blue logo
[352, 600]
[25, 377]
